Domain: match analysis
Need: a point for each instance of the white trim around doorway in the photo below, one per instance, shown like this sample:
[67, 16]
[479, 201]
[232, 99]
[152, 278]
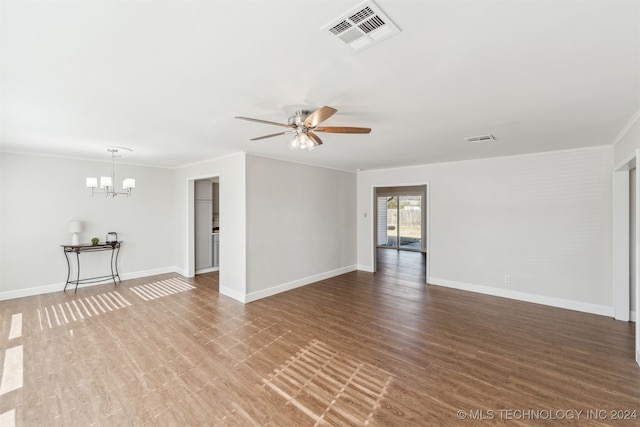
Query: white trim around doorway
[374, 219]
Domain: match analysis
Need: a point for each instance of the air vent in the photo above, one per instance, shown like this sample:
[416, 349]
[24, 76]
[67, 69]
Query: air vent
[481, 138]
[362, 27]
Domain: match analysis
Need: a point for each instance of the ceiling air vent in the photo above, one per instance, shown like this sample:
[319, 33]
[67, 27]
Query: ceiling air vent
[481, 138]
[362, 26]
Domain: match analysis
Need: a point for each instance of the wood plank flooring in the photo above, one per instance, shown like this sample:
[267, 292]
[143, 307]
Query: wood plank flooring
[359, 349]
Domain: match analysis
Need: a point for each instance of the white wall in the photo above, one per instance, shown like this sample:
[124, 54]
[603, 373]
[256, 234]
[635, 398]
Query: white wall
[232, 176]
[40, 195]
[314, 234]
[544, 219]
[300, 225]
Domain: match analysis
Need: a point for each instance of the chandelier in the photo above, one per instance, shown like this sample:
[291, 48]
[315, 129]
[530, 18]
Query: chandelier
[107, 182]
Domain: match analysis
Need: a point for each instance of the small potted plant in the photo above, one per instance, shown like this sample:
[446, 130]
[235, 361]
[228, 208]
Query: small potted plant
[95, 241]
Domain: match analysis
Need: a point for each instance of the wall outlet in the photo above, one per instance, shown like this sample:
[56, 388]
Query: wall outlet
[507, 278]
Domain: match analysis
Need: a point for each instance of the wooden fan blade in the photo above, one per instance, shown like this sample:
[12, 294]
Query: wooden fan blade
[342, 129]
[315, 138]
[266, 122]
[319, 116]
[269, 136]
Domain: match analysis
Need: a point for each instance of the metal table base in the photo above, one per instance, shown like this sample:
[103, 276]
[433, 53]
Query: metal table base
[88, 247]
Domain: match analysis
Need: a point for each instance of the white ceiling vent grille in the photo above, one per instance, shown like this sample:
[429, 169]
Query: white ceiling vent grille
[362, 26]
[480, 138]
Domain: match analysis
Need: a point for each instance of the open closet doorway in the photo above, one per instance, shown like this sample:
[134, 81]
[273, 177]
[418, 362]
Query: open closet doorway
[206, 208]
[401, 231]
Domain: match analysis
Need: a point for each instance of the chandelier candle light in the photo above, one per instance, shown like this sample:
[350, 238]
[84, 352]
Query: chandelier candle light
[107, 182]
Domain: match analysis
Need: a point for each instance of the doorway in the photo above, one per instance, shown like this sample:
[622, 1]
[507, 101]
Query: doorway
[401, 226]
[206, 230]
[626, 238]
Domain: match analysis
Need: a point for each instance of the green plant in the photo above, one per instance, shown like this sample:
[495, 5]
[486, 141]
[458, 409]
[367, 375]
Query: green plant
[95, 241]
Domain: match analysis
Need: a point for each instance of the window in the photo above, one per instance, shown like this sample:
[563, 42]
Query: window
[400, 218]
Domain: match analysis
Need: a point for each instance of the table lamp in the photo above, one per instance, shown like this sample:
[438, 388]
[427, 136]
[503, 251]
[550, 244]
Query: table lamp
[75, 227]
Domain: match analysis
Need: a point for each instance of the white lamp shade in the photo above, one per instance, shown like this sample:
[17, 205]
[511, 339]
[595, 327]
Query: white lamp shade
[75, 226]
[105, 181]
[92, 182]
[129, 183]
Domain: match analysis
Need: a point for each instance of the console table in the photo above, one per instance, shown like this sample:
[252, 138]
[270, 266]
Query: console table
[88, 247]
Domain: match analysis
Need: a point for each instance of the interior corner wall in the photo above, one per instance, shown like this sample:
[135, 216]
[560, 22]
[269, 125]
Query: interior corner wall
[231, 171]
[544, 219]
[39, 195]
[300, 225]
[628, 143]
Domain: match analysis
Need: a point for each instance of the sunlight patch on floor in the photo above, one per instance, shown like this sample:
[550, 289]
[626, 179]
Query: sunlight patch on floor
[72, 311]
[161, 289]
[329, 387]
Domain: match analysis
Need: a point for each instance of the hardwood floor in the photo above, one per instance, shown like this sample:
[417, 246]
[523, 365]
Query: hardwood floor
[408, 266]
[359, 349]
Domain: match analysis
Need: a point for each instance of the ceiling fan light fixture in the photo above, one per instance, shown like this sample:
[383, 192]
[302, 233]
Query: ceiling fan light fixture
[293, 143]
[301, 141]
[304, 125]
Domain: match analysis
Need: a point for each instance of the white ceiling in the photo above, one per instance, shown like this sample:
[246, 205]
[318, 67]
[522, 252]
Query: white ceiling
[166, 78]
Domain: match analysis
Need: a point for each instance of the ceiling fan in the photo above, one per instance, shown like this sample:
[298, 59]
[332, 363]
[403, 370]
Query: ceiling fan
[303, 125]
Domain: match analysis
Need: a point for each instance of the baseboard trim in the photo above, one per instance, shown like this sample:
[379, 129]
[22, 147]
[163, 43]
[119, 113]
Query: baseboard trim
[238, 296]
[182, 272]
[367, 268]
[28, 292]
[147, 273]
[57, 287]
[207, 270]
[526, 297]
[254, 296]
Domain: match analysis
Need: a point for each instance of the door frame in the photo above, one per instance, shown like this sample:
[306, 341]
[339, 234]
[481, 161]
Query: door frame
[191, 220]
[621, 241]
[427, 225]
